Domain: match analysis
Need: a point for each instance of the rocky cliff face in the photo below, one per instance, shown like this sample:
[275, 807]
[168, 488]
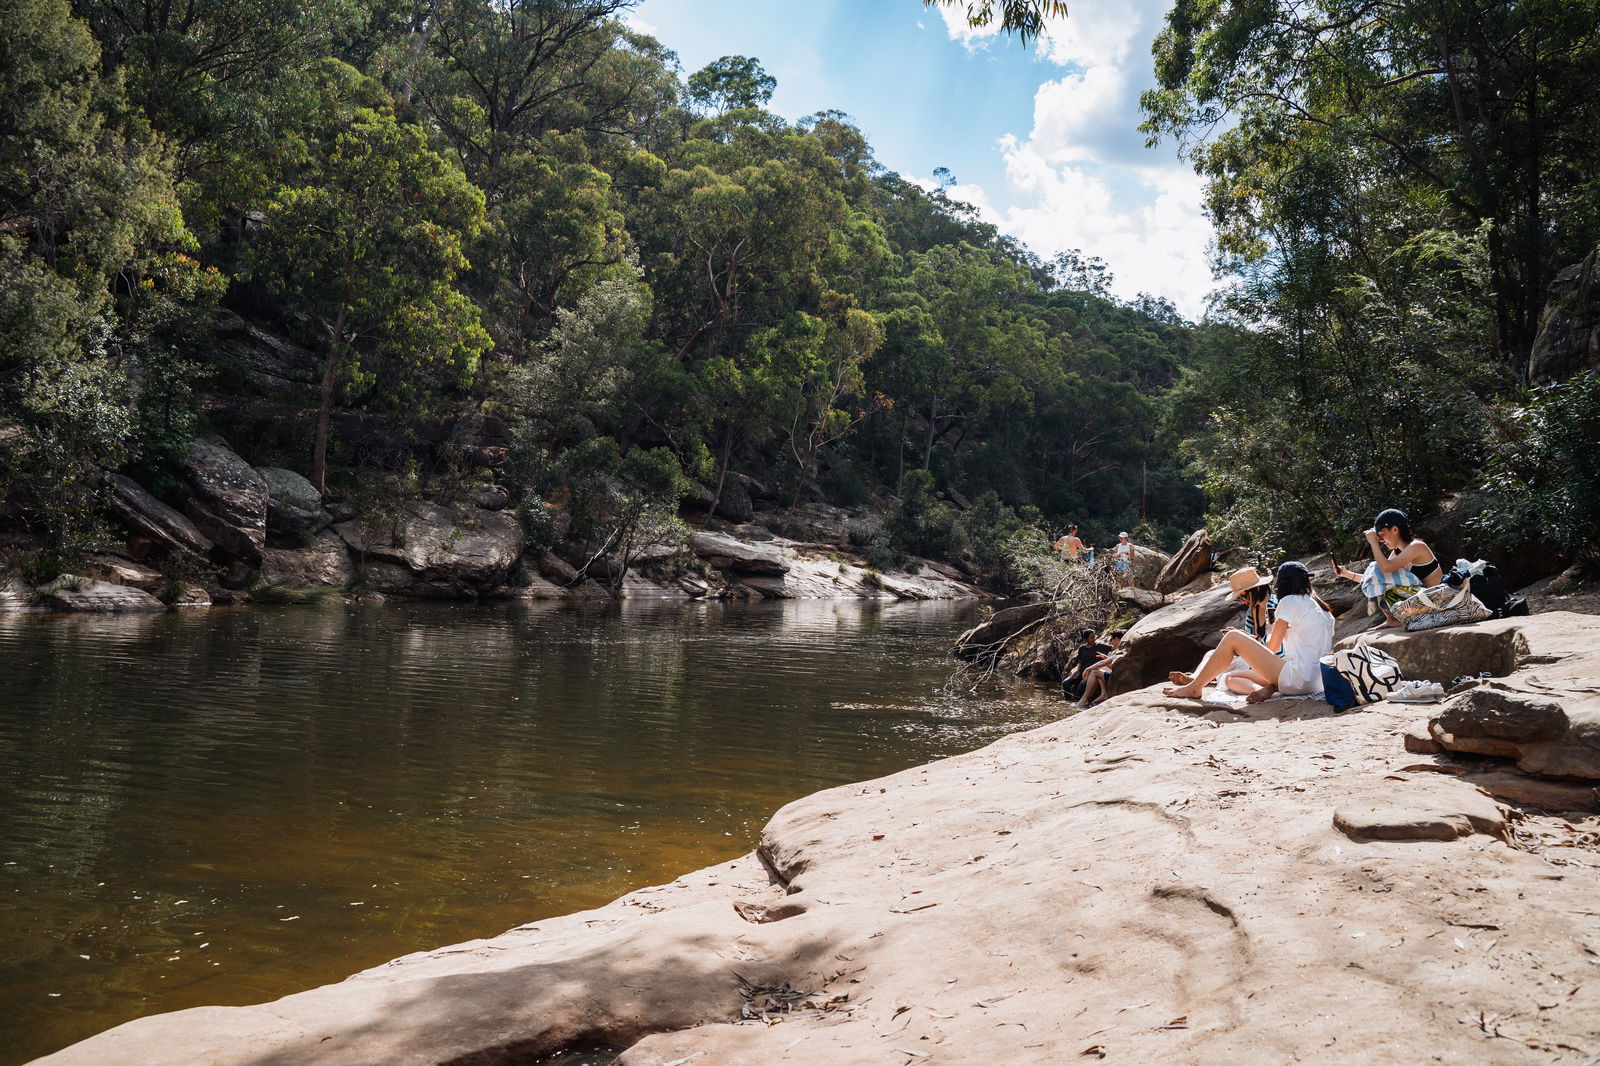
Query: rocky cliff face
[1142, 883]
[1569, 330]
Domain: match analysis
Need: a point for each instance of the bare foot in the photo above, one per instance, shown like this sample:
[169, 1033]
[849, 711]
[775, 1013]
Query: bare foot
[1261, 695]
[1178, 677]
[1189, 691]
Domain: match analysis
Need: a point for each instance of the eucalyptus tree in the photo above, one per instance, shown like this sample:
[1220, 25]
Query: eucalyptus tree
[93, 251]
[962, 346]
[733, 241]
[827, 387]
[1410, 114]
[217, 79]
[538, 100]
[1393, 185]
[730, 83]
[365, 235]
[1025, 18]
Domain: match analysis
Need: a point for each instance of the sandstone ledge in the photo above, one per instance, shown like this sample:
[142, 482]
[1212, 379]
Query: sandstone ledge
[1140, 883]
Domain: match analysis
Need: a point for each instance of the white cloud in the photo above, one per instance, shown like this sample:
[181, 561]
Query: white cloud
[1153, 236]
[959, 29]
[1082, 178]
[1099, 35]
[632, 20]
[1082, 116]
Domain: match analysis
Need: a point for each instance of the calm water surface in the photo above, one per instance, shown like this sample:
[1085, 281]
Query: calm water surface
[228, 806]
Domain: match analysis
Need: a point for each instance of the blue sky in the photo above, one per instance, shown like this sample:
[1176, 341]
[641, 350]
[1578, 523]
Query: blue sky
[1043, 140]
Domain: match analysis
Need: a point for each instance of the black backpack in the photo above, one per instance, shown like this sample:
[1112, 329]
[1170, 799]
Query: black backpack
[1490, 590]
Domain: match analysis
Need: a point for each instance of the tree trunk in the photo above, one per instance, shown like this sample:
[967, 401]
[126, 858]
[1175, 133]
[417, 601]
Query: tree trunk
[722, 471]
[933, 422]
[319, 449]
[330, 379]
[900, 451]
[422, 30]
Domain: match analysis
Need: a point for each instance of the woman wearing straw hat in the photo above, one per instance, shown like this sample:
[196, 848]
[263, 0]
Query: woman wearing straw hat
[1303, 629]
[1254, 590]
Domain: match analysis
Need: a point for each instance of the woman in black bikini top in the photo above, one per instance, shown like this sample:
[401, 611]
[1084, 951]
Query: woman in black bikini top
[1394, 548]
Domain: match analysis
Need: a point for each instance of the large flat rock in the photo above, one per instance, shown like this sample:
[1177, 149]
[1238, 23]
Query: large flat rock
[324, 561]
[740, 556]
[1174, 637]
[70, 592]
[294, 506]
[429, 550]
[1143, 882]
[149, 517]
[778, 568]
[1498, 646]
[227, 498]
[1192, 560]
[1542, 708]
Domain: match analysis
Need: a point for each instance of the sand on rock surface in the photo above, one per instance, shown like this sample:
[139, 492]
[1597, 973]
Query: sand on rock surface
[1142, 883]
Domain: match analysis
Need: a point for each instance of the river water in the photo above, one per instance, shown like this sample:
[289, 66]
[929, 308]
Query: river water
[225, 806]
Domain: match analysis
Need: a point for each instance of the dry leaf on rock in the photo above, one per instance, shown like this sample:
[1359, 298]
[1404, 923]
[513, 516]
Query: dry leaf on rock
[992, 1000]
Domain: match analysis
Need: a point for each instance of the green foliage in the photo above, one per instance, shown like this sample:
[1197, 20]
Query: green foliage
[988, 527]
[87, 212]
[645, 520]
[538, 528]
[1360, 398]
[584, 369]
[1025, 18]
[73, 412]
[1346, 125]
[365, 235]
[522, 209]
[42, 569]
[273, 593]
[1393, 187]
[1544, 468]
[880, 555]
[165, 320]
[730, 83]
[922, 524]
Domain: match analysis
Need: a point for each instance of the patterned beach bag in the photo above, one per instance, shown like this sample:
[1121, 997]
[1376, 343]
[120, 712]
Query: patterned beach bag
[1441, 606]
[1371, 673]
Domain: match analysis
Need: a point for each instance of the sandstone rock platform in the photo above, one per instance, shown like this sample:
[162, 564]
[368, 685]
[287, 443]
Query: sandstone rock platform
[1145, 882]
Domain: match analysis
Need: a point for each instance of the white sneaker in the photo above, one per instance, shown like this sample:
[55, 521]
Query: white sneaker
[1416, 692]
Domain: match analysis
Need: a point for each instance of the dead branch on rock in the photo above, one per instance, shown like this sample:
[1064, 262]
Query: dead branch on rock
[1079, 596]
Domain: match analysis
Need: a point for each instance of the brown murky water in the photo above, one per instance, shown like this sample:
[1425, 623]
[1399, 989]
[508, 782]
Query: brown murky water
[224, 807]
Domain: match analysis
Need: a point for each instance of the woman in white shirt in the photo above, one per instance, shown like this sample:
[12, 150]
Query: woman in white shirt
[1303, 629]
[1122, 559]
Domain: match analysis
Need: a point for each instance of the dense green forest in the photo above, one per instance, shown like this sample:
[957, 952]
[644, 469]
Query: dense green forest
[525, 211]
